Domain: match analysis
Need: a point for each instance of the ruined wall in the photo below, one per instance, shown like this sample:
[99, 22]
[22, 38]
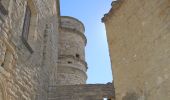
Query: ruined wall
[24, 75]
[138, 36]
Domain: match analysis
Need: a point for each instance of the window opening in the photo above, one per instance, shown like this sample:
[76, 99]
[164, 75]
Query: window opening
[26, 23]
[26, 27]
[69, 62]
[77, 56]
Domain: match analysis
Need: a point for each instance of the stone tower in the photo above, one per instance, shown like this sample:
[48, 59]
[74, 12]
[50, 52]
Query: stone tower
[72, 66]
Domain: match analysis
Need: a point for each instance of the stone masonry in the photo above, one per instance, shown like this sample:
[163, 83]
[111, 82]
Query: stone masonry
[42, 54]
[28, 48]
[138, 34]
[72, 66]
[82, 92]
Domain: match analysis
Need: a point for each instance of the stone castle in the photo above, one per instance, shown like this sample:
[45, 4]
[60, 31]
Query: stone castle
[42, 54]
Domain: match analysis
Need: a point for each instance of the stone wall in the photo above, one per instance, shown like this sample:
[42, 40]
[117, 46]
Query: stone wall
[138, 36]
[25, 75]
[82, 92]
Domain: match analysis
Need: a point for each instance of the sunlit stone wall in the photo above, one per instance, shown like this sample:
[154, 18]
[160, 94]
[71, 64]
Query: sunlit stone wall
[138, 37]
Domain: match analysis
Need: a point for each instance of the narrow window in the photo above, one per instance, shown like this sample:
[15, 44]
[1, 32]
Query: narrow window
[77, 56]
[26, 27]
[26, 23]
[69, 62]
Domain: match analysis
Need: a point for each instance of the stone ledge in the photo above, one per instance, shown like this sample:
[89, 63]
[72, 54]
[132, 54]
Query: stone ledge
[71, 56]
[67, 67]
[74, 31]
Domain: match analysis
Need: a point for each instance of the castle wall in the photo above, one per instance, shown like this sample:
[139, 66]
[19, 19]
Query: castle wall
[24, 74]
[138, 37]
[82, 92]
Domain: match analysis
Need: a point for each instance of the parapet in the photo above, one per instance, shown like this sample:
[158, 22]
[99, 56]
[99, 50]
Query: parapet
[82, 91]
[115, 5]
[72, 23]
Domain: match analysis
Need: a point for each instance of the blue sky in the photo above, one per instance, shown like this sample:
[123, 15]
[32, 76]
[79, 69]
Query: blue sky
[90, 13]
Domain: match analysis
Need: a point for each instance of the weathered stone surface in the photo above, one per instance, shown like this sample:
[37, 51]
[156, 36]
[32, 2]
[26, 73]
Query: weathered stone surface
[34, 62]
[24, 75]
[82, 92]
[71, 61]
[138, 36]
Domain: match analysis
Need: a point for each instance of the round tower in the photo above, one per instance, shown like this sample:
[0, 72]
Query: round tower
[72, 66]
